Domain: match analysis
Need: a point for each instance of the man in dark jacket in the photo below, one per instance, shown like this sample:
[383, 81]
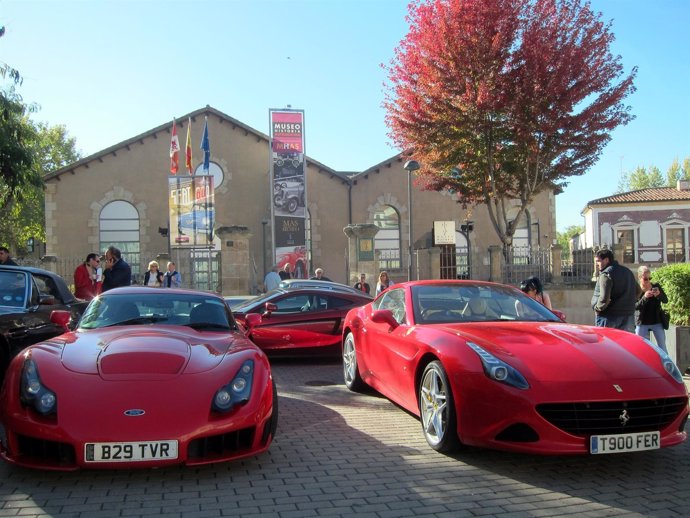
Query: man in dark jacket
[117, 272]
[5, 258]
[615, 294]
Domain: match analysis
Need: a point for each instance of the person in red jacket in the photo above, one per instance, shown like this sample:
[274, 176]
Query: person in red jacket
[87, 279]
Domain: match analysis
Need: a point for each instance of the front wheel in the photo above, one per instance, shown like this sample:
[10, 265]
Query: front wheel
[437, 409]
[353, 380]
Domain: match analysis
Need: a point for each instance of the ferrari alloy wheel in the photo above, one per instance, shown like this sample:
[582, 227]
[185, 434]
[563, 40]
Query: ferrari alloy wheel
[353, 380]
[437, 410]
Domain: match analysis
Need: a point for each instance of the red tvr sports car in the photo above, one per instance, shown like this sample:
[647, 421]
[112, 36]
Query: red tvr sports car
[148, 378]
[484, 365]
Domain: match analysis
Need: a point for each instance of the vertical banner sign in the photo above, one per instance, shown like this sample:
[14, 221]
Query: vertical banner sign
[289, 190]
[192, 211]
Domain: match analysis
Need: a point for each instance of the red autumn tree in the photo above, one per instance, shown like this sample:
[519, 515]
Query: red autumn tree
[500, 100]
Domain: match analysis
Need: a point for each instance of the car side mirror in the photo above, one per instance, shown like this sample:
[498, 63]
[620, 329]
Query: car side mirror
[61, 318]
[269, 308]
[384, 316]
[252, 320]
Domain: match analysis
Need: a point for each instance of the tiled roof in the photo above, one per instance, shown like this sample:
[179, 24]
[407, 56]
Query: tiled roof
[643, 196]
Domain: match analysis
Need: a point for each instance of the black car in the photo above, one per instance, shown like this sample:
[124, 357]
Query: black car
[304, 318]
[28, 296]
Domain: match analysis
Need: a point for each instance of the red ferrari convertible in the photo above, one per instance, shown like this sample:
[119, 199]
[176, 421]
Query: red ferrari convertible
[148, 378]
[484, 365]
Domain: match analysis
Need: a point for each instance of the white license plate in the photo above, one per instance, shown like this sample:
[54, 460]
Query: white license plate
[130, 451]
[621, 443]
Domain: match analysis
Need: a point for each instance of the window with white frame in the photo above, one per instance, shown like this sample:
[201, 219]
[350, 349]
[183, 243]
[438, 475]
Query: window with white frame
[387, 240]
[626, 237]
[119, 227]
[675, 244]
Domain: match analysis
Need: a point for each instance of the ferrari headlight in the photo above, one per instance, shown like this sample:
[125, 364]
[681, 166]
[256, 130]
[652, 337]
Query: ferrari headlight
[236, 392]
[667, 362]
[34, 393]
[499, 370]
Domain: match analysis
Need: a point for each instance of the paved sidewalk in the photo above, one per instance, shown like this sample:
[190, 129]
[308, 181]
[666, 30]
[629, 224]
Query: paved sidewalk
[342, 454]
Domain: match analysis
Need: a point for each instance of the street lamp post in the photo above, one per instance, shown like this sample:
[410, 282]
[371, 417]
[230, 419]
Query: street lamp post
[410, 165]
[264, 222]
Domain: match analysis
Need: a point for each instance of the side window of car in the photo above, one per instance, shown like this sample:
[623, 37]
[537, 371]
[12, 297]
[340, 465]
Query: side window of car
[337, 302]
[47, 286]
[293, 304]
[394, 300]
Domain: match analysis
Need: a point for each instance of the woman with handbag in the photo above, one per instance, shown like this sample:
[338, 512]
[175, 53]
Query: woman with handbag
[648, 311]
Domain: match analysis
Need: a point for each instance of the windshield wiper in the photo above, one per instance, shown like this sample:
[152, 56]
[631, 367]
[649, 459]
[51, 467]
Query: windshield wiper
[138, 320]
[208, 325]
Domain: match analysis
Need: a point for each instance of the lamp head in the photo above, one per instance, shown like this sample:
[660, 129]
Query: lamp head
[411, 165]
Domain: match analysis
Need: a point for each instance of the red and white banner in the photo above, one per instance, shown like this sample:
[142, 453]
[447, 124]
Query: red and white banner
[289, 188]
[188, 148]
[174, 150]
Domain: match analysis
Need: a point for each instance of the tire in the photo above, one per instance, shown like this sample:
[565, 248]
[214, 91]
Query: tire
[353, 380]
[292, 205]
[274, 415]
[437, 409]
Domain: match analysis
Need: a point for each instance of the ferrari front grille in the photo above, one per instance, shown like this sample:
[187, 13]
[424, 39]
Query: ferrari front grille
[45, 452]
[218, 446]
[613, 417]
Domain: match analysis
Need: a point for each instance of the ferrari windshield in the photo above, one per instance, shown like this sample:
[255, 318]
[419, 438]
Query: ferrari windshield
[157, 307]
[450, 303]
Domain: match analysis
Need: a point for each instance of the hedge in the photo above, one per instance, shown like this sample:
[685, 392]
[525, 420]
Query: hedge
[675, 280]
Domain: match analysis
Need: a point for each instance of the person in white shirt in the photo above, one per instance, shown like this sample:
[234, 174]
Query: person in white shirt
[272, 279]
[172, 278]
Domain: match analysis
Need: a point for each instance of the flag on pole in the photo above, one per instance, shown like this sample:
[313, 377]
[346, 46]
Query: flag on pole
[188, 150]
[174, 150]
[206, 146]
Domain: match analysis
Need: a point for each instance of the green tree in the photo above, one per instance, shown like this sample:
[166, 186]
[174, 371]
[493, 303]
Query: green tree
[563, 238]
[674, 173]
[51, 148]
[645, 178]
[638, 179]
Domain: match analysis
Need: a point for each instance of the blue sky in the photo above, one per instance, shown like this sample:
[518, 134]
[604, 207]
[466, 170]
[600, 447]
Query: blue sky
[109, 70]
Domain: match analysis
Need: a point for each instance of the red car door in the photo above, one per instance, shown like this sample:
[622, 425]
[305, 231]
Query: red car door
[389, 351]
[300, 321]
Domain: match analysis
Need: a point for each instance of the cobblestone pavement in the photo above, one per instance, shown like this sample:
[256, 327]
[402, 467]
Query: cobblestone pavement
[341, 454]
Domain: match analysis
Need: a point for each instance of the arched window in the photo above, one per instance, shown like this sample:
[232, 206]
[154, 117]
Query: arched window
[387, 240]
[119, 227]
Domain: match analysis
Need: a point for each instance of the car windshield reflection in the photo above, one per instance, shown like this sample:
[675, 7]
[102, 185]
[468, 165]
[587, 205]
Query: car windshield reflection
[434, 304]
[161, 307]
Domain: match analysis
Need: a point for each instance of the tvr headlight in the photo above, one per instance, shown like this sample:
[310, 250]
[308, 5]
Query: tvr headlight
[236, 392]
[34, 393]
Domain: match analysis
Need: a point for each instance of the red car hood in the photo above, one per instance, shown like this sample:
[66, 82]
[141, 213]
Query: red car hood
[131, 353]
[554, 352]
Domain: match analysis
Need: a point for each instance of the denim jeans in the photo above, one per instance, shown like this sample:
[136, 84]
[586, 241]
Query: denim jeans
[624, 322]
[659, 334]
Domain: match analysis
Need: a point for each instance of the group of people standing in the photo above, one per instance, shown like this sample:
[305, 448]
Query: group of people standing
[98, 274]
[621, 301]
[382, 285]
